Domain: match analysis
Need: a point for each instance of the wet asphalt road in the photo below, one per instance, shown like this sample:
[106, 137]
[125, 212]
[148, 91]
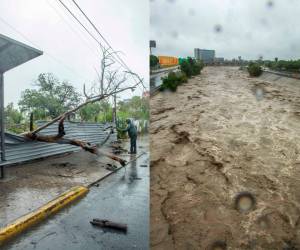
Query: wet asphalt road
[122, 197]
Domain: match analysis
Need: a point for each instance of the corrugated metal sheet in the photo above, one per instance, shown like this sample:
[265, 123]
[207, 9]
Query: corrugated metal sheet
[14, 53]
[19, 149]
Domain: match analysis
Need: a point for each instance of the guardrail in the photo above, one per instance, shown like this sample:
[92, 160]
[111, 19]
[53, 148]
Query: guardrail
[154, 90]
[155, 72]
[286, 74]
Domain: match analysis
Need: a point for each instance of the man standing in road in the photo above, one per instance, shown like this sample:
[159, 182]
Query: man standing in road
[132, 133]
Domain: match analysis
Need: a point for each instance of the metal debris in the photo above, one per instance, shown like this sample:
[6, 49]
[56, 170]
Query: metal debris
[109, 224]
[18, 149]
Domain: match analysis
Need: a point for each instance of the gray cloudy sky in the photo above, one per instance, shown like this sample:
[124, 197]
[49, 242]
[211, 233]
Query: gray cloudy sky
[248, 28]
[125, 24]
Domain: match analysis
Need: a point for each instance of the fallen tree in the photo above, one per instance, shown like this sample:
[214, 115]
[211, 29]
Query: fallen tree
[110, 84]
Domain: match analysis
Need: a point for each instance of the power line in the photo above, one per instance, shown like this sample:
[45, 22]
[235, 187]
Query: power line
[82, 25]
[38, 47]
[107, 43]
[94, 26]
[73, 30]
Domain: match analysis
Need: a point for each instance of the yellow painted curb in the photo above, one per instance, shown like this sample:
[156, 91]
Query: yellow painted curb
[41, 213]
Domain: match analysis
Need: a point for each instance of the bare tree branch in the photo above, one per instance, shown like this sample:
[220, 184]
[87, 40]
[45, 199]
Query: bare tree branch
[60, 140]
[110, 84]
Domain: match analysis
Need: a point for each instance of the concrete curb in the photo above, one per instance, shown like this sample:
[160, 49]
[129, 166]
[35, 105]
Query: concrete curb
[41, 213]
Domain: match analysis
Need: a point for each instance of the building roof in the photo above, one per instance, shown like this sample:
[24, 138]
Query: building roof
[14, 53]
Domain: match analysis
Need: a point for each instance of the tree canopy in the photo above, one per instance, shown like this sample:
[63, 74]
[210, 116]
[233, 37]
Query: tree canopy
[99, 111]
[153, 60]
[136, 107]
[50, 99]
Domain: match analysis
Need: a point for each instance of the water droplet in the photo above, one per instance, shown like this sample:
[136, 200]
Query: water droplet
[244, 201]
[270, 4]
[218, 28]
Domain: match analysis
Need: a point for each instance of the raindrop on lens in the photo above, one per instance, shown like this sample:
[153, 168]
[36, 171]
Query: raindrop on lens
[218, 28]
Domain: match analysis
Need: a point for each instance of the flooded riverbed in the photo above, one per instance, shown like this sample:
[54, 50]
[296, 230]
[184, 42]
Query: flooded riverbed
[219, 136]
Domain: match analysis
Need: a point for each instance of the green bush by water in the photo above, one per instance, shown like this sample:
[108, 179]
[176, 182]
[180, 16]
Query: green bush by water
[173, 80]
[254, 69]
[191, 67]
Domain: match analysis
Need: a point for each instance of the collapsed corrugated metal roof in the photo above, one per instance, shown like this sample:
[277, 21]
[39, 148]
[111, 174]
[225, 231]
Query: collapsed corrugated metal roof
[19, 149]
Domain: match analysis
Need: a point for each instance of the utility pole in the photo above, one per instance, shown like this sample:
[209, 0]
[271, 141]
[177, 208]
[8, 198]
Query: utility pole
[115, 109]
[31, 122]
[2, 124]
[152, 45]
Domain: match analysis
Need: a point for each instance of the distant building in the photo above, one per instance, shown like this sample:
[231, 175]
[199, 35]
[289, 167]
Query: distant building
[220, 60]
[206, 55]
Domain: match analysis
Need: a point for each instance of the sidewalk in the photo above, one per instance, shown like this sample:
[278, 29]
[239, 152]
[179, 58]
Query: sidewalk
[28, 186]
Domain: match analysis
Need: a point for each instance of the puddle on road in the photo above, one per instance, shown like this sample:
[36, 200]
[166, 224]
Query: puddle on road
[32, 198]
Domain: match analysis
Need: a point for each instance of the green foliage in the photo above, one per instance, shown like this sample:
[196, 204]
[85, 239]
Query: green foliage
[136, 108]
[254, 69]
[96, 112]
[197, 67]
[153, 61]
[172, 81]
[121, 123]
[14, 119]
[50, 99]
[106, 116]
[186, 67]
[191, 67]
[282, 65]
[89, 112]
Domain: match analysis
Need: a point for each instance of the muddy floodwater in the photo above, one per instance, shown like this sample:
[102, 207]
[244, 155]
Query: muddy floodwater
[225, 165]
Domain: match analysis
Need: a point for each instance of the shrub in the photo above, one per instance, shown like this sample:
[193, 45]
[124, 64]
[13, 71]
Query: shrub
[197, 67]
[191, 67]
[186, 67]
[290, 66]
[153, 61]
[254, 69]
[173, 80]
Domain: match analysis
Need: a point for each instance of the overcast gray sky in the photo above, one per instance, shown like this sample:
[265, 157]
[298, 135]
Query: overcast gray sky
[247, 28]
[125, 24]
